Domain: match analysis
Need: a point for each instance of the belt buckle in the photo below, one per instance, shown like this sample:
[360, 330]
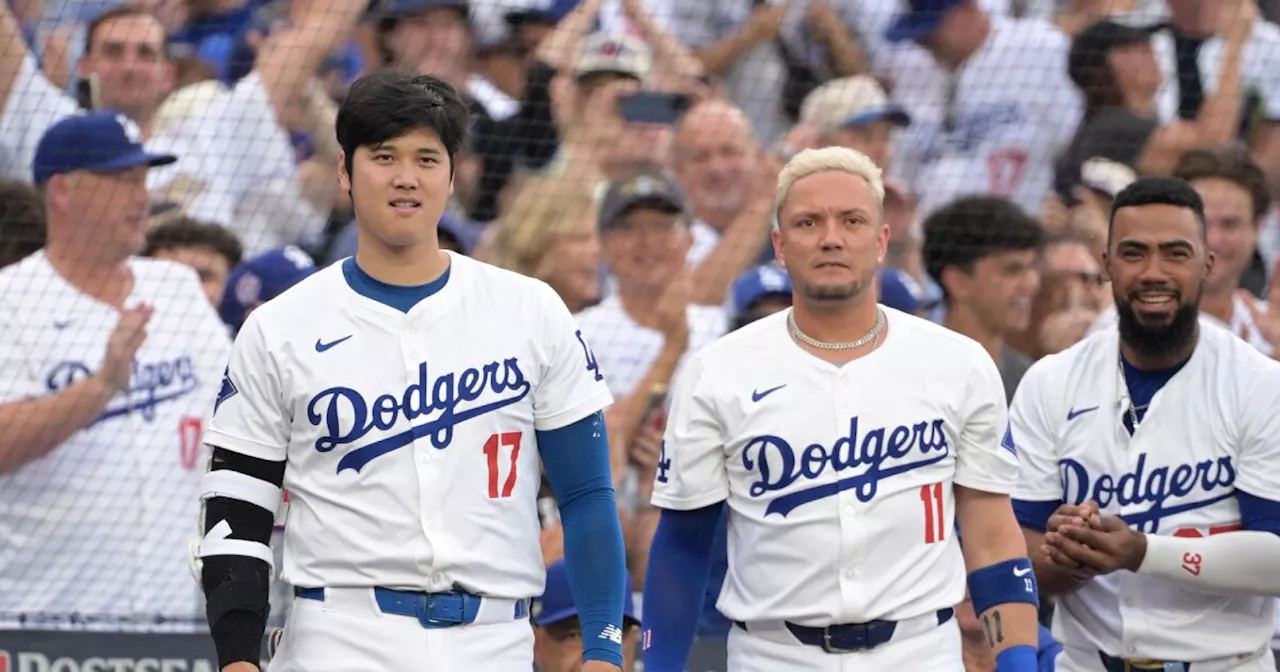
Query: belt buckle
[829, 648]
[423, 609]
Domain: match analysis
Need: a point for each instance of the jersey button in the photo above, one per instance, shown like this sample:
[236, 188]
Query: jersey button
[848, 573]
[848, 510]
[426, 458]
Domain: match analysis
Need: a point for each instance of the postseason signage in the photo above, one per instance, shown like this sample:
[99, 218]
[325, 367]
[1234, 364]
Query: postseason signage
[50, 651]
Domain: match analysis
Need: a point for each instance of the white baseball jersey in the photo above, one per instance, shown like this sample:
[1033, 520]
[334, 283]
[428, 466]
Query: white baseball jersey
[235, 163]
[995, 126]
[838, 478]
[412, 461]
[1205, 434]
[98, 528]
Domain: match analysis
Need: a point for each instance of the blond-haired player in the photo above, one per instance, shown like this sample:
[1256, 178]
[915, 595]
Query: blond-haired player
[847, 440]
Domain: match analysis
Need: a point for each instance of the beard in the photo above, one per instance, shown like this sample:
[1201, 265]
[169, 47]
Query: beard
[1157, 341]
[833, 293]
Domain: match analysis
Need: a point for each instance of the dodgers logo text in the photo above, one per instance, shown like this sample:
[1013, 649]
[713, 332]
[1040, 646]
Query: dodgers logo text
[347, 417]
[1213, 479]
[152, 383]
[883, 451]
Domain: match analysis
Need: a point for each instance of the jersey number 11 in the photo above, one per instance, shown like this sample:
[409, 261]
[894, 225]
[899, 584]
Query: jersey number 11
[934, 518]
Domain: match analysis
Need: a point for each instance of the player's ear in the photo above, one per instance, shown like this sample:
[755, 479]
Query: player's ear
[1210, 260]
[1106, 266]
[778, 251]
[344, 177]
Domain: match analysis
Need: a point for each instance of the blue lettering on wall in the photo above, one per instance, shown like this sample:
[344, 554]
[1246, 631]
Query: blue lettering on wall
[883, 451]
[444, 395]
[151, 383]
[1154, 487]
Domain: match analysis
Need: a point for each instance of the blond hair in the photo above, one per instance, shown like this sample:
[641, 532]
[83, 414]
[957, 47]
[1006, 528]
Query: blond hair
[829, 159]
[544, 210]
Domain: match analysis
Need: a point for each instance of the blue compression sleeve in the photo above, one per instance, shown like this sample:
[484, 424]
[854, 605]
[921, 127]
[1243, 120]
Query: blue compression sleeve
[676, 585]
[576, 460]
[1258, 514]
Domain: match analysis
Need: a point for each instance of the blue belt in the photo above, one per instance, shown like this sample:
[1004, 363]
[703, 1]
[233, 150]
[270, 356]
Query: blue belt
[433, 610]
[850, 637]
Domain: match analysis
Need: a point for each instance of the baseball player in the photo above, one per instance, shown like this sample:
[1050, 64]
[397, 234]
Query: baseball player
[404, 397]
[109, 364]
[1140, 447]
[844, 472]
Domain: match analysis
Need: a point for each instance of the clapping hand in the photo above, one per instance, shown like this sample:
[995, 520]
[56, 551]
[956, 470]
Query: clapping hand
[1088, 543]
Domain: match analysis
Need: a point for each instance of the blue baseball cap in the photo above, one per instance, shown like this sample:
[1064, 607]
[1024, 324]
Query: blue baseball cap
[900, 291]
[757, 283]
[99, 142]
[556, 602]
[262, 278]
[391, 9]
[919, 19]
[547, 11]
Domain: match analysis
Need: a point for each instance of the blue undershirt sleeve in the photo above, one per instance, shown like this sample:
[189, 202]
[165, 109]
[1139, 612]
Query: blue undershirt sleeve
[576, 461]
[676, 585]
[1034, 515]
[1258, 514]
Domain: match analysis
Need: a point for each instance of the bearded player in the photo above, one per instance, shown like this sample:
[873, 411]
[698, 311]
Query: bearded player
[405, 398]
[1151, 465]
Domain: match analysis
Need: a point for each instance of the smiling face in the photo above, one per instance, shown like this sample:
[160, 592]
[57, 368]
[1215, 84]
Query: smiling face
[646, 248]
[399, 188]
[831, 235]
[1157, 262]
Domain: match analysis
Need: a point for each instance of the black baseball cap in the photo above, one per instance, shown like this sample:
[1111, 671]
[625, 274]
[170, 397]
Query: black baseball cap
[1091, 46]
[647, 188]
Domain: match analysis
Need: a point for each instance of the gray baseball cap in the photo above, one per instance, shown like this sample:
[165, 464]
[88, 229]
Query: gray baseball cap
[648, 188]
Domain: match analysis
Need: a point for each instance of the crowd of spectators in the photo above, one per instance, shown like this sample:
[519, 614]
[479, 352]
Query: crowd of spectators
[625, 152]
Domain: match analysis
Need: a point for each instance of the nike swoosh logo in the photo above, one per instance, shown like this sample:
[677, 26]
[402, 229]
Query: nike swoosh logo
[1073, 413]
[1021, 572]
[321, 347]
[757, 395]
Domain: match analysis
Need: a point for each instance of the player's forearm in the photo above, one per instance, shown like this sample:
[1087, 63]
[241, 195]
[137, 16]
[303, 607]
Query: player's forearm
[1234, 563]
[576, 461]
[676, 585]
[32, 429]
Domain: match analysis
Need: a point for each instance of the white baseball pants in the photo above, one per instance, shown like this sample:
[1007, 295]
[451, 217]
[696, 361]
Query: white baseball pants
[937, 650]
[348, 633]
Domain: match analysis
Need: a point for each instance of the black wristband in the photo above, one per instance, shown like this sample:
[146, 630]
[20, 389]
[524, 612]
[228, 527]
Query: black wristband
[237, 636]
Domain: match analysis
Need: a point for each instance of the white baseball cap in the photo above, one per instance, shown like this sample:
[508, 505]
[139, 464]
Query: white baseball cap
[849, 102]
[617, 53]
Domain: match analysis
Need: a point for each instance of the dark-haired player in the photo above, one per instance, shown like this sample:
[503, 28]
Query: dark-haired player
[1150, 466]
[403, 398]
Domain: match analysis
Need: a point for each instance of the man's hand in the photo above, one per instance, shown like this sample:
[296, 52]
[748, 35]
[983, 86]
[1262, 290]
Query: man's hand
[599, 666]
[1096, 544]
[240, 667]
[123, 344]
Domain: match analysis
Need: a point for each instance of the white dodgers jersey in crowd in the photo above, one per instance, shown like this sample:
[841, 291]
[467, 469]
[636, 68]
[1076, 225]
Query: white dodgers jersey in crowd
[993, 127]
[94, 534]
[412, 459]
[838, 478]
[1209, 431]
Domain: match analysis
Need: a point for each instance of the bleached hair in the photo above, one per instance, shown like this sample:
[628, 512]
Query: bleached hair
[829, 159]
